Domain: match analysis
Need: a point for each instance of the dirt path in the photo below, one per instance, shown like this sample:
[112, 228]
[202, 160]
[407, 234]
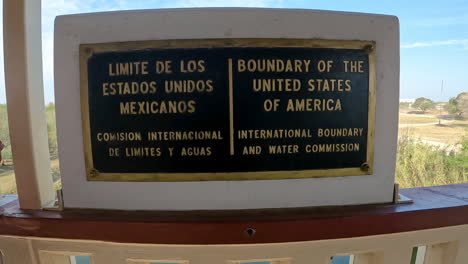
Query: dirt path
[426, 124]
[419, 115]
[442, 121]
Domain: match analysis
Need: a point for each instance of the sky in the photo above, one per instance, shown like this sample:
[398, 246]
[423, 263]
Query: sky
[433, 36]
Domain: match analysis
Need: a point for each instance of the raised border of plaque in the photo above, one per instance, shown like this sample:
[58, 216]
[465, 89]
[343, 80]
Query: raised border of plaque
[72, 31]
[87, 50]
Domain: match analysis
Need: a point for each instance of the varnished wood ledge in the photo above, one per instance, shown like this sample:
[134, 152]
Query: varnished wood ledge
[433, 207]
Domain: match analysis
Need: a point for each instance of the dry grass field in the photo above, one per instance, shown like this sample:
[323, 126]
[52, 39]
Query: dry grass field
[416, 119]
[449, 133]
[426, 126]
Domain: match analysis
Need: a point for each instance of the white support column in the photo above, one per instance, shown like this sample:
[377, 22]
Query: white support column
[25, 100]
[397, 253]
[16, 250]
[462, 251]
[444, 253]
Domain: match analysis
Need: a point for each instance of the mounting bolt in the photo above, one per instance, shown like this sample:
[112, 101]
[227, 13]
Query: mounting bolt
[93, 173]
[88, 50]
[369, 47]
[250, 232]
[365, 167]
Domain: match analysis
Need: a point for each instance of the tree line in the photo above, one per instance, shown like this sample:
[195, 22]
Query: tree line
[457, 106]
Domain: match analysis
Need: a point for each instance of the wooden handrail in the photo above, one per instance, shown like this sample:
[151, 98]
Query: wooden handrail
[433, 207]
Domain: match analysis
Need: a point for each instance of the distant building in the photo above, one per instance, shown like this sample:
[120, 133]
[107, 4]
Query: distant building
[440, 106]
[405, 100]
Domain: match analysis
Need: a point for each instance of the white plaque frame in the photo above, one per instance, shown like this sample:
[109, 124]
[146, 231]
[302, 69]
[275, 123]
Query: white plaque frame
[73, 30]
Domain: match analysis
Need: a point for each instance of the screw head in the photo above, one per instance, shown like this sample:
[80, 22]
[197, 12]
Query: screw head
[88, 50]
[369, 47]
[93, 173]
[365, 166]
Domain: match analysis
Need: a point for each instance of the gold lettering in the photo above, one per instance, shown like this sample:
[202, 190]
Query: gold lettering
[163, 67]
[272, 65]
[196, 151]
[252, 150]
[283, 149]
[339, 147]
[111, 72]
[157, 107]
[353, 66]
[105, 86]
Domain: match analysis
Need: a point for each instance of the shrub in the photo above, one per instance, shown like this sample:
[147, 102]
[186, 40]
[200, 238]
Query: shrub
[420, 165]
[424, 104]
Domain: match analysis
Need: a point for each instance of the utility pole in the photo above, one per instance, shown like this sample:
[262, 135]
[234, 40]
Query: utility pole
[440, 108]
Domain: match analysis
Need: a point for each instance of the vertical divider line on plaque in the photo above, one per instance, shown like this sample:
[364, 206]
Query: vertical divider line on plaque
[231, 108]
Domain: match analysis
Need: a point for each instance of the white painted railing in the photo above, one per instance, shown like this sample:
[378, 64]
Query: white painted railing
[443, 246]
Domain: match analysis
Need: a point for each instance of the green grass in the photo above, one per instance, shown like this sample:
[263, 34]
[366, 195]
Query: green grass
[52, 130]
[7, 178]
[4, 134]
[423, 165]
